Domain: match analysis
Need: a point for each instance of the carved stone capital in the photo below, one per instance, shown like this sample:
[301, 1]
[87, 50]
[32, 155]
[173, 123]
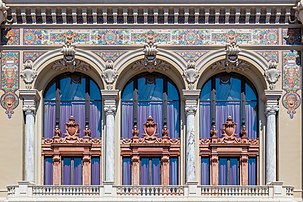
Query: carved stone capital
[30, 99]
[272, 74]
[190, 109]
[271, 109]
[110, 110]
[28, 74]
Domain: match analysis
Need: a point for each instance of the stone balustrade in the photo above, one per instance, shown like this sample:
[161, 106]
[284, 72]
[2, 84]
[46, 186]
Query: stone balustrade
[275, 191]
[150, 190]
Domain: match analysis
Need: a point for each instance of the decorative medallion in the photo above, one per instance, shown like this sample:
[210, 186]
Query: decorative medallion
[291, 101]
[9, 101]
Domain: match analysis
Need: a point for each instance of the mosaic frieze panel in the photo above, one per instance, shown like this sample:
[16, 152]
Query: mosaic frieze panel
[192, 56]
[292, 36]
[11, 37]
[9, 81]
[269, 55]
[138, 37]
[32, 55]
[109, 55]
[291, 81]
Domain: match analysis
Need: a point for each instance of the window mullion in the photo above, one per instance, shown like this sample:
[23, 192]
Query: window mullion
[213, 102]
[135, 96]
[58, 103]
[243, 101]
[165, 102]
[87, 102]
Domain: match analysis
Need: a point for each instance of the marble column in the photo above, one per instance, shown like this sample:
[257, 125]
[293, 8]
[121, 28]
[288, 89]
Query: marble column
[110, 143]
[109, 97]
[272, 107]
[191, 97]
[30, 99]
[190, 143]
[271, 157]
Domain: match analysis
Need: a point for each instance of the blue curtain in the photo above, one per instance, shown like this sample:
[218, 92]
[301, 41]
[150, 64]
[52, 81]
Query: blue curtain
[228, 171]
[252, 171]
[144, 171]
[77, 178]
[66, 174]
[150, 171]
[173, 171]
[48, 170]
[205, 119]
[126, 171]
[205, 169]
[95, 175]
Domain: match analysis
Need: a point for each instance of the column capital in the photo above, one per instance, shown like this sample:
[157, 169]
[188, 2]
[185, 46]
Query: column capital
[110, 109]
[271, 109]
[191, 94]
[109, 94]
[30, 99]
[272, 96]
[190, 109]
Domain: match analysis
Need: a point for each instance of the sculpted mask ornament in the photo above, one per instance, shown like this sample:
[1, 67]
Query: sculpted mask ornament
[150, 49]
[9, 101]
[299, 11]
[3, 13]
[291, 101]
[109, 74]
[190, 73]
[68, 53]
[272, 74]
[232, 52]
[28, 74]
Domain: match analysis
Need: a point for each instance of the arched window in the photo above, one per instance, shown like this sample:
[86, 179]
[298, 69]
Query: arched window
[224, 95]
[228, 95]
[145, 95]
[77, 95]
[150, 95]
[72, 94]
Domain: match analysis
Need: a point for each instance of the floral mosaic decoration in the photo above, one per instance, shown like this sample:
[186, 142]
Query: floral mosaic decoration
[9, 81]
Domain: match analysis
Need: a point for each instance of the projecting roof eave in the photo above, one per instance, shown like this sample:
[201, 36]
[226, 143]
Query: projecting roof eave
[154, 2]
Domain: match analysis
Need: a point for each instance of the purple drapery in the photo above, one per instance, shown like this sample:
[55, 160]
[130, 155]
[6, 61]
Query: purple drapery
[205, 119]
[172, 119]
[48, 170]
[49, 118]
[222, 171]
[95, 175]
[252, 171]
[146, 109]
[229, 171]
[76, 109]
[205, 175]
[126, 171]
[234, 174]
[225, 109]
[156, 172]
[77, 171]
[144, 175]
[173, 171]
[127, 119]
[66, 179]
[251, 119]
[95, 119]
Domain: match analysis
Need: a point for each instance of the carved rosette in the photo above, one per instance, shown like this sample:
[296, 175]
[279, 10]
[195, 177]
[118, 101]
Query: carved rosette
[110, 75]
[272, 74]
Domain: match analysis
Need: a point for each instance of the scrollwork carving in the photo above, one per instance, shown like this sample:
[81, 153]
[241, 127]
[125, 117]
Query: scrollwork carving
[110, 74]
[191, 74]
[28, 74]
[299, 11]
[3, 13]
[150, 49]
[272, 74]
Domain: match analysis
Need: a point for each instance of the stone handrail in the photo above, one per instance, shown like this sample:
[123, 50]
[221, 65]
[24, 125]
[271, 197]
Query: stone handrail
[70, 190]
[235, 190]
[150, 190]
